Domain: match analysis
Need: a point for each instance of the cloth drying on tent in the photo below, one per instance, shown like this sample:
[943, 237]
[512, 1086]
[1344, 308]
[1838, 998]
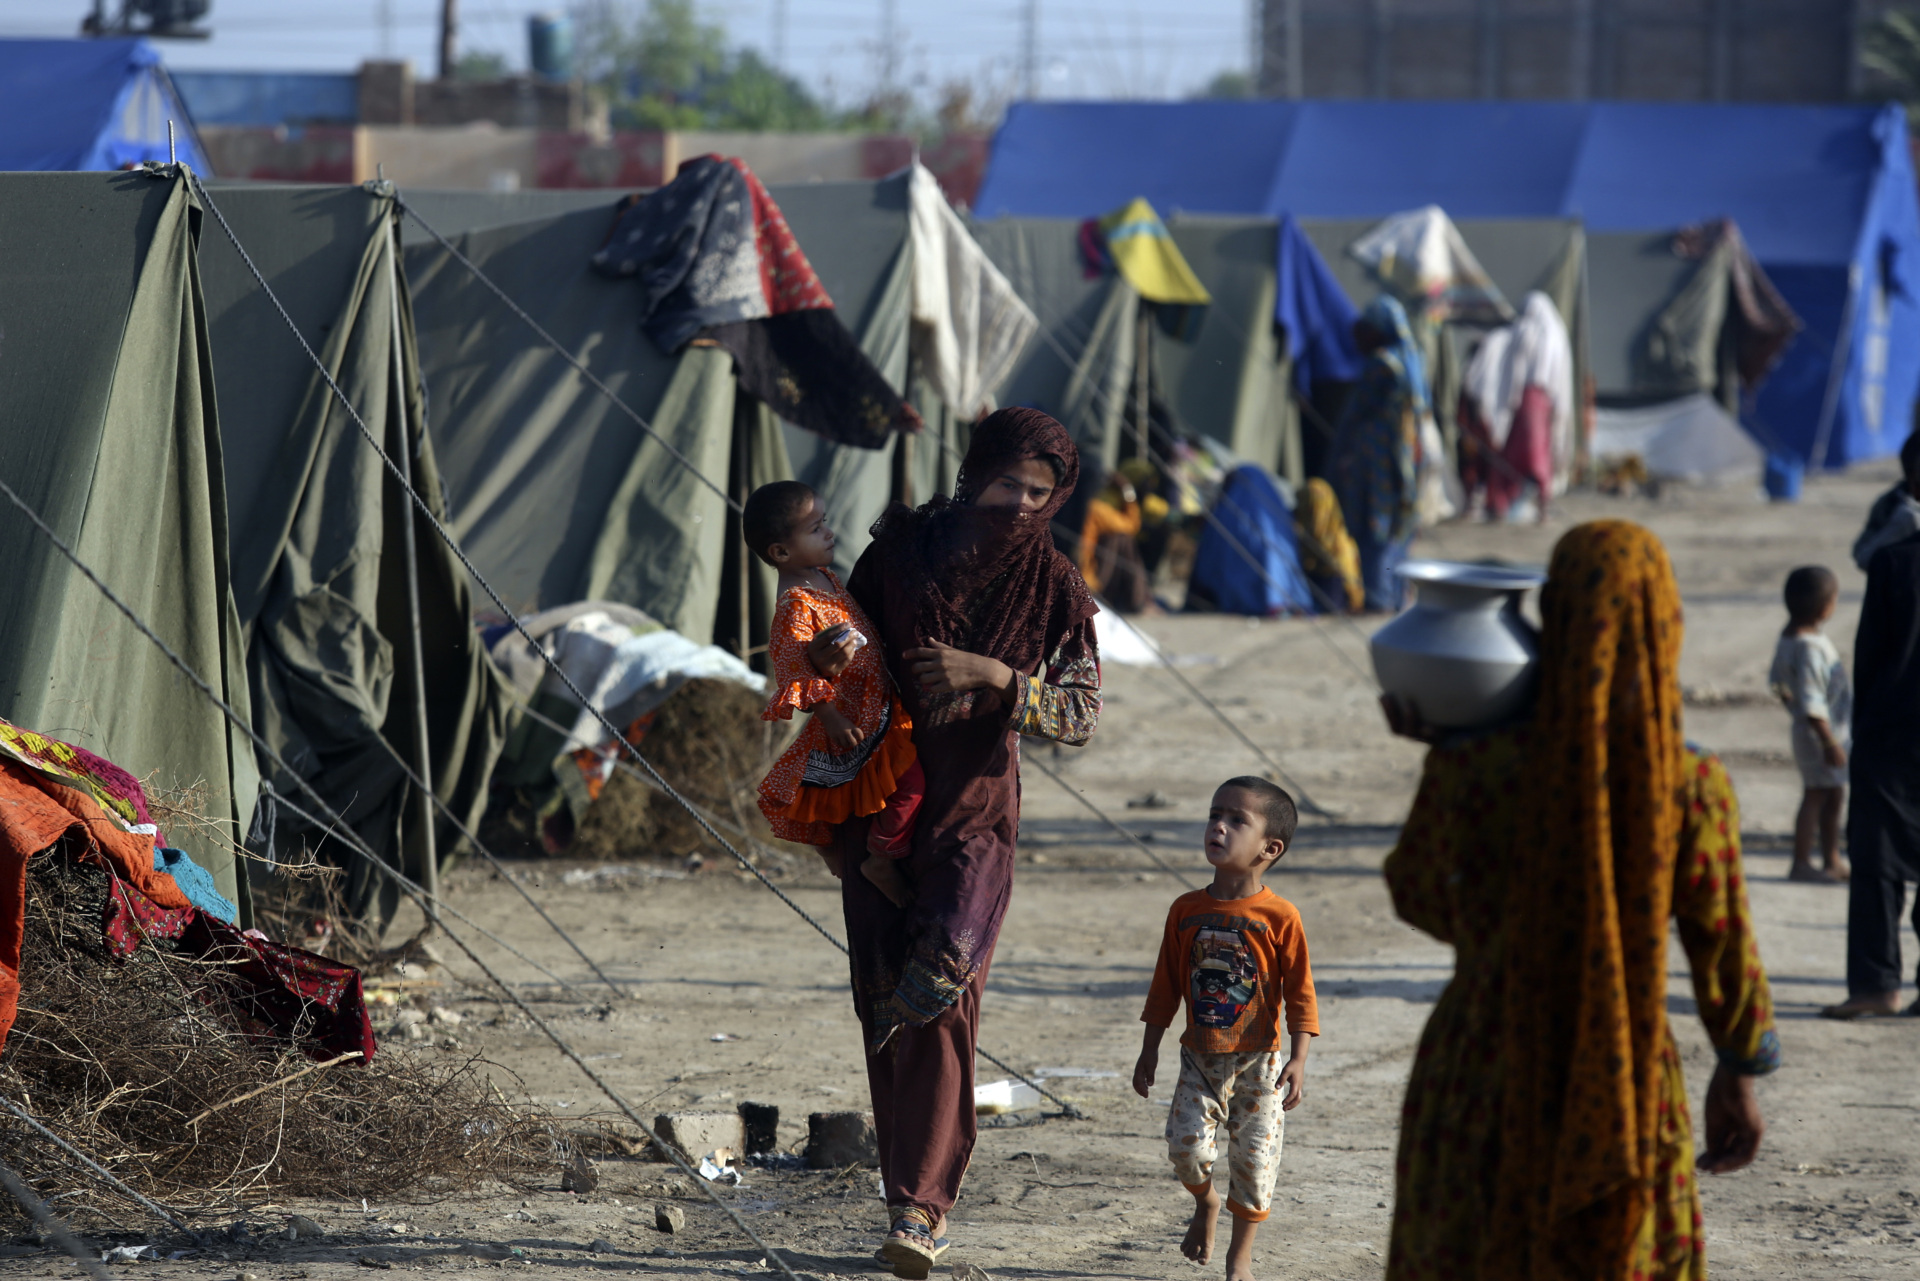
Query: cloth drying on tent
[969, 326]
[1763, 324]
[287, 992]
[713, 256]
[1421, 257]
[1252, 518]
[1314, 312]
[1135, 242]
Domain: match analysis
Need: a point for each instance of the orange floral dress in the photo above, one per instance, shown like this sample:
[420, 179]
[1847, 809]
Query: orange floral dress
[812, 787]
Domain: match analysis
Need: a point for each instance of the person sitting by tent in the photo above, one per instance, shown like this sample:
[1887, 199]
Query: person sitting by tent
[1248, 561]
[1110, 557]
[1376, 464]
[1516, 409]
[1328, 556]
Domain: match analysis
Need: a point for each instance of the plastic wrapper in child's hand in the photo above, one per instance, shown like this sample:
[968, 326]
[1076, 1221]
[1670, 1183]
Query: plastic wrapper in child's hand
[841, 631]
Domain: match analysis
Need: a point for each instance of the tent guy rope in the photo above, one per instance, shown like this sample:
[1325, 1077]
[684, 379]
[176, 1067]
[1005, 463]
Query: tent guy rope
[406, 884]
[613, 731]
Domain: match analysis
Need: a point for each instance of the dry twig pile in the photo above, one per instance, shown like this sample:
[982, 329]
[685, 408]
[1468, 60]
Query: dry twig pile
[141, 1064]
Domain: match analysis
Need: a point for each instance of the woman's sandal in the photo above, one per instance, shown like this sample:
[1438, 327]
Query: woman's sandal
[912, 1256]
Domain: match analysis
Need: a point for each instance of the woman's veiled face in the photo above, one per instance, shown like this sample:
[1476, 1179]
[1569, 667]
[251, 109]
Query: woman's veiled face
[1026, 485]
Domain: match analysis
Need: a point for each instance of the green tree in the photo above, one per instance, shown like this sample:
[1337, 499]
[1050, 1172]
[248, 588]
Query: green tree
[479, 65]
[1228, 84]
[660, 66]
[1890, 52]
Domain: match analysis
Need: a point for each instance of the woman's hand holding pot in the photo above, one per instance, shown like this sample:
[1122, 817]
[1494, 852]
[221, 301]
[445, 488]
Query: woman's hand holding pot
[1403, 718]
[942, 669]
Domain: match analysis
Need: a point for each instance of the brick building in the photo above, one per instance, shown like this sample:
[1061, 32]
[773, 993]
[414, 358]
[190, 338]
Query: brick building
[1666, 50]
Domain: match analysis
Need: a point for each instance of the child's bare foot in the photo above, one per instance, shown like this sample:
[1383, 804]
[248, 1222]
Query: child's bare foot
[1240, 1250]
[884, 872]
[1198, 1243]
[1811, 875]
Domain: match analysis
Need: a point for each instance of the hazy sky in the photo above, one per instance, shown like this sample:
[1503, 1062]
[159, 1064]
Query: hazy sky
[1088, 49]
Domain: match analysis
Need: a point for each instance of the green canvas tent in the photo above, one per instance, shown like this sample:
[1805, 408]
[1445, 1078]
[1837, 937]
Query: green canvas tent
[319, 532]
[557, 494]
[110, 433]
[1225, 376]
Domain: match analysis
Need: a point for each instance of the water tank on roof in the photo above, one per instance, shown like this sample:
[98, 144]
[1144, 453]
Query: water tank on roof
[550, 45]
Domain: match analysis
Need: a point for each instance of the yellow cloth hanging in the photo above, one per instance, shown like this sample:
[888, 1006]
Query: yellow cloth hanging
[1145, 254]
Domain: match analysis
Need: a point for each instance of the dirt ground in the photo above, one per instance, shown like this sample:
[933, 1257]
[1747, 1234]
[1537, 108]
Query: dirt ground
[728, 996]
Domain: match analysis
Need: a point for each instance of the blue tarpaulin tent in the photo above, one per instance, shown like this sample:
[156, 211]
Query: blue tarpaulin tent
[1824, 196]
[89, 104]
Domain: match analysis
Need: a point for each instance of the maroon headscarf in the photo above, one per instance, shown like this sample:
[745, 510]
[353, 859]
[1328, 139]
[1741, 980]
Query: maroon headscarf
[989, 579]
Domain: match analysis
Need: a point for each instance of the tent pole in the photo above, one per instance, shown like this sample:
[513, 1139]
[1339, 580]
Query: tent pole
[1143, 335]
[423, 757]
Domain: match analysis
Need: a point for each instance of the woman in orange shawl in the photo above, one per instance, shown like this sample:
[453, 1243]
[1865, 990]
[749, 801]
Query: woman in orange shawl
[1545, 1131]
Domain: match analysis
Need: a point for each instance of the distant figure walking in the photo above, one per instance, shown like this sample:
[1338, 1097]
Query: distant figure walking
[1883, 825]
[1376, 461]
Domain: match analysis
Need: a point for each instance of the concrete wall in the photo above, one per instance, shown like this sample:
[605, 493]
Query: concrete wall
[487, 157]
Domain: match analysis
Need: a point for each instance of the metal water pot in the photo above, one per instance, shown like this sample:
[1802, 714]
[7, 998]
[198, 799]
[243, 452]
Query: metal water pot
[1462, 654]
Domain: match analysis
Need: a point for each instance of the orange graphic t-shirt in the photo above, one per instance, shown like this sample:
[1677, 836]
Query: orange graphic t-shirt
[1235, 961]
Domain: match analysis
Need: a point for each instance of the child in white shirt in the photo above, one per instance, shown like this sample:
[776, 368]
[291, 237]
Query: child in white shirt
[1810, 679]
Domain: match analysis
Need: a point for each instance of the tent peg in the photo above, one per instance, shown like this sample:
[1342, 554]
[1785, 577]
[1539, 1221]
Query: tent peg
[172, 159]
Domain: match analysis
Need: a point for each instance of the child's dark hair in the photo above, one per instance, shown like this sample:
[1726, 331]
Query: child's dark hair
[1282, 816]
[1809, 588]
[1910, 457]
[771, 513]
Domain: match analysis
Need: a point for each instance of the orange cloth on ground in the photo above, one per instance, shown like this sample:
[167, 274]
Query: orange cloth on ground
[1233, 960]
[35, 814]
[863, 694]
[1104, 518]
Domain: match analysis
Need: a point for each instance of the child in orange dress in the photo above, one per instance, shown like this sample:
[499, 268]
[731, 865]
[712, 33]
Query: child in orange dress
[855, 757]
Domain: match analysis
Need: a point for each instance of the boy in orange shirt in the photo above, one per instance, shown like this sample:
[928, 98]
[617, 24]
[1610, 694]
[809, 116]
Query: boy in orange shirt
[1235, 949]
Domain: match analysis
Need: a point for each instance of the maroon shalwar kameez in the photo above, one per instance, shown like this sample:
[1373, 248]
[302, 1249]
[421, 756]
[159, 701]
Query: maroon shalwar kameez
[989, 582]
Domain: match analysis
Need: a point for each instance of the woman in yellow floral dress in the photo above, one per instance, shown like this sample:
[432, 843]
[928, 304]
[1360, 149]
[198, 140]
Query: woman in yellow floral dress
[1545, 1133]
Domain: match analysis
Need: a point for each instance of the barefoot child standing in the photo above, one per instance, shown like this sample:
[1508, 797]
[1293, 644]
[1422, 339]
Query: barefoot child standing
[855, 757]
[1808, 677]
[1235, 950]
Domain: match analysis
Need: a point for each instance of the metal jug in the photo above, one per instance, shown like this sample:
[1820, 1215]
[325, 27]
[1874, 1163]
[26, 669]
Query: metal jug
[1462, 655]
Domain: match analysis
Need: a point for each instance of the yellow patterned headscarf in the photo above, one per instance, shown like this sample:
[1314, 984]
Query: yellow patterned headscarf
[1585, 997]
[1326, 549]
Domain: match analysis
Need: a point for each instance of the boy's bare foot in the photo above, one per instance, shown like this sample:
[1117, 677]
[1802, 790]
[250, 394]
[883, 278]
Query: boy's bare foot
[885, 875]
[1240, 1250]
[1839, 870]
[1198, 1243]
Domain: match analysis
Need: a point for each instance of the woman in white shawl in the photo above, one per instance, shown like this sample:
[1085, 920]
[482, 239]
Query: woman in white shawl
[1516, 410]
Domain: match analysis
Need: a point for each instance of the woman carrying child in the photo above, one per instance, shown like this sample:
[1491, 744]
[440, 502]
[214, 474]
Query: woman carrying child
[988, 632]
